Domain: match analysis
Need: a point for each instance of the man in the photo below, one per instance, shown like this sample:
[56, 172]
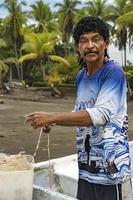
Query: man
[100, 115]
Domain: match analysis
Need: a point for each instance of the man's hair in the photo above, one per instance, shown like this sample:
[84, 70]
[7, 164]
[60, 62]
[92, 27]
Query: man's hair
[91, 24]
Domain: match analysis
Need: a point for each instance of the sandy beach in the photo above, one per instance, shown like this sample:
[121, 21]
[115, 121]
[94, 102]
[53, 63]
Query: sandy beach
[16, 136]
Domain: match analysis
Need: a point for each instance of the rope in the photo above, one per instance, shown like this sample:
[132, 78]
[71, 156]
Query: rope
[131, 188]
[48, 150]
[38, 142]
[50, 169]
[117, 190]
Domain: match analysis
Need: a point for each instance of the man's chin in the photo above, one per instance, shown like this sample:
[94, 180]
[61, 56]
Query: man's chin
[91, 59]
[91, 56]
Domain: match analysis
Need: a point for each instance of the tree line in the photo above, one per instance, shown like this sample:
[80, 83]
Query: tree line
[36, 45]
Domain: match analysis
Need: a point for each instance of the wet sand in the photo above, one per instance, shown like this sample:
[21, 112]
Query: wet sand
[16, 136]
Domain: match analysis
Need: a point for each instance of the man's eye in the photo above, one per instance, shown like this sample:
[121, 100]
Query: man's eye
[83, 40]
[96, 39]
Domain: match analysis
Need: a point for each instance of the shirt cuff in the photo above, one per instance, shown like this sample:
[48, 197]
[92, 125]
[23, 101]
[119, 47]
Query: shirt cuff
[97, 116]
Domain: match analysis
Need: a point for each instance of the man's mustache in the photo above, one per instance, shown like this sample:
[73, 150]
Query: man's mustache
[89, 52]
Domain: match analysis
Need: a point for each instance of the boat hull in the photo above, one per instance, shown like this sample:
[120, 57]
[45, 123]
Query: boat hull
[58, 179]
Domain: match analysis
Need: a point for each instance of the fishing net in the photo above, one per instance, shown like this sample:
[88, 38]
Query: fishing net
[17, 162]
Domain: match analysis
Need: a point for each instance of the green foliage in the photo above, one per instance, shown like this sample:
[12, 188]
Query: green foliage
[121, 30]
[39, 43]
[50, 36]
[3, 66]
[96, 7]
[63, 73]
[38, 47]
[39, 84]
[10, 60]
[3, 43]
[59, 59]
[125, 19]
[36, 74]
[14, 21]
[3, 70]
[129, 74]
[30, 56]
[42, 14]
[65, 16]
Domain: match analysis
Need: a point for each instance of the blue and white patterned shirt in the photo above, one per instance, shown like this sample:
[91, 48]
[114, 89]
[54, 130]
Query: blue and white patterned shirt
[103, 96]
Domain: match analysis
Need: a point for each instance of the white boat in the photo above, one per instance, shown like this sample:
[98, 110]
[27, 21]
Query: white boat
[57, 182]
[57, 179]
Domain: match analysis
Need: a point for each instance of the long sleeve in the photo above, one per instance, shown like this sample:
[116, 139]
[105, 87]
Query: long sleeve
[110, 100]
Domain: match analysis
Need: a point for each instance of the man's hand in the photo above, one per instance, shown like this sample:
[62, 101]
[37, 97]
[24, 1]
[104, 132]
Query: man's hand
[40, 119]
[48, 119]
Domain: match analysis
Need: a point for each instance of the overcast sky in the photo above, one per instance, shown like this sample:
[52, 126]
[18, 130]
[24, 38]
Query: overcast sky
[50, 2]
[29, 2]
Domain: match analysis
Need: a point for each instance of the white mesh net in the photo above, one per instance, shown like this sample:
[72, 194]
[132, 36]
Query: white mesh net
[15, 162]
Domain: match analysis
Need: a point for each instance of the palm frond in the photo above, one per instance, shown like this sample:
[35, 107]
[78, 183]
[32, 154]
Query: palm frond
[59, 59]
[30, 56]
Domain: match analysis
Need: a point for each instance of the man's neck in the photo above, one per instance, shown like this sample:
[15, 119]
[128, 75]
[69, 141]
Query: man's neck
[92, 67]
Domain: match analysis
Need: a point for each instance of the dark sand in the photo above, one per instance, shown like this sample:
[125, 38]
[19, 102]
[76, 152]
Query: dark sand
[15, 136]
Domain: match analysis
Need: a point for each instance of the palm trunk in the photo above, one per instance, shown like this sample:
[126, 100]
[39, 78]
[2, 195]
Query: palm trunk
[17, 65]
[10, 75]
[125, 55]
[21, 69]
[65, 49]
[43, 70]
[21, 72]
[129, 88]
[122, 58]
[0, 77]
[125, 46]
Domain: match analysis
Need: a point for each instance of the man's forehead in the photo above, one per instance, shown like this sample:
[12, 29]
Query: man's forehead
[91, 34]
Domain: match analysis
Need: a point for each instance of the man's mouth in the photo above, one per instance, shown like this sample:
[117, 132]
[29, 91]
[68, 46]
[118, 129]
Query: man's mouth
[90, 53]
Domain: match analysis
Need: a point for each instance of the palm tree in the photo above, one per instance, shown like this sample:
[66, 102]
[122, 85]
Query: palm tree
[42, 14]
[113, 13]
[13, 23]
[81, 12]
[66, 14]
[11, 62]
[38, 46]
[3, 70]
[5, 66]
[96, 8]
[126, 20]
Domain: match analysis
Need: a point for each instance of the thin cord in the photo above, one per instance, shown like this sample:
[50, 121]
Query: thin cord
[48, 150]
[50, 170]
[38, 142]
[131, 188]
[117, 190]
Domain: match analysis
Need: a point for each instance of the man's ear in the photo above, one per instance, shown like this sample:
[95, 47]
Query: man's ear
[107, 42]
[77, 49]
[76, 46]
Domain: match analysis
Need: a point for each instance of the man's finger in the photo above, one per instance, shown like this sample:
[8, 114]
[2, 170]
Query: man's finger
[30, 115]
[29, 120]
[46, 129]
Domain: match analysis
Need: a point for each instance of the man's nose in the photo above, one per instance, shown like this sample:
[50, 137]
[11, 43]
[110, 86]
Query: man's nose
[90, 44]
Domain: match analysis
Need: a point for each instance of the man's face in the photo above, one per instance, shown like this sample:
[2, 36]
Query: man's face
[91, 47]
